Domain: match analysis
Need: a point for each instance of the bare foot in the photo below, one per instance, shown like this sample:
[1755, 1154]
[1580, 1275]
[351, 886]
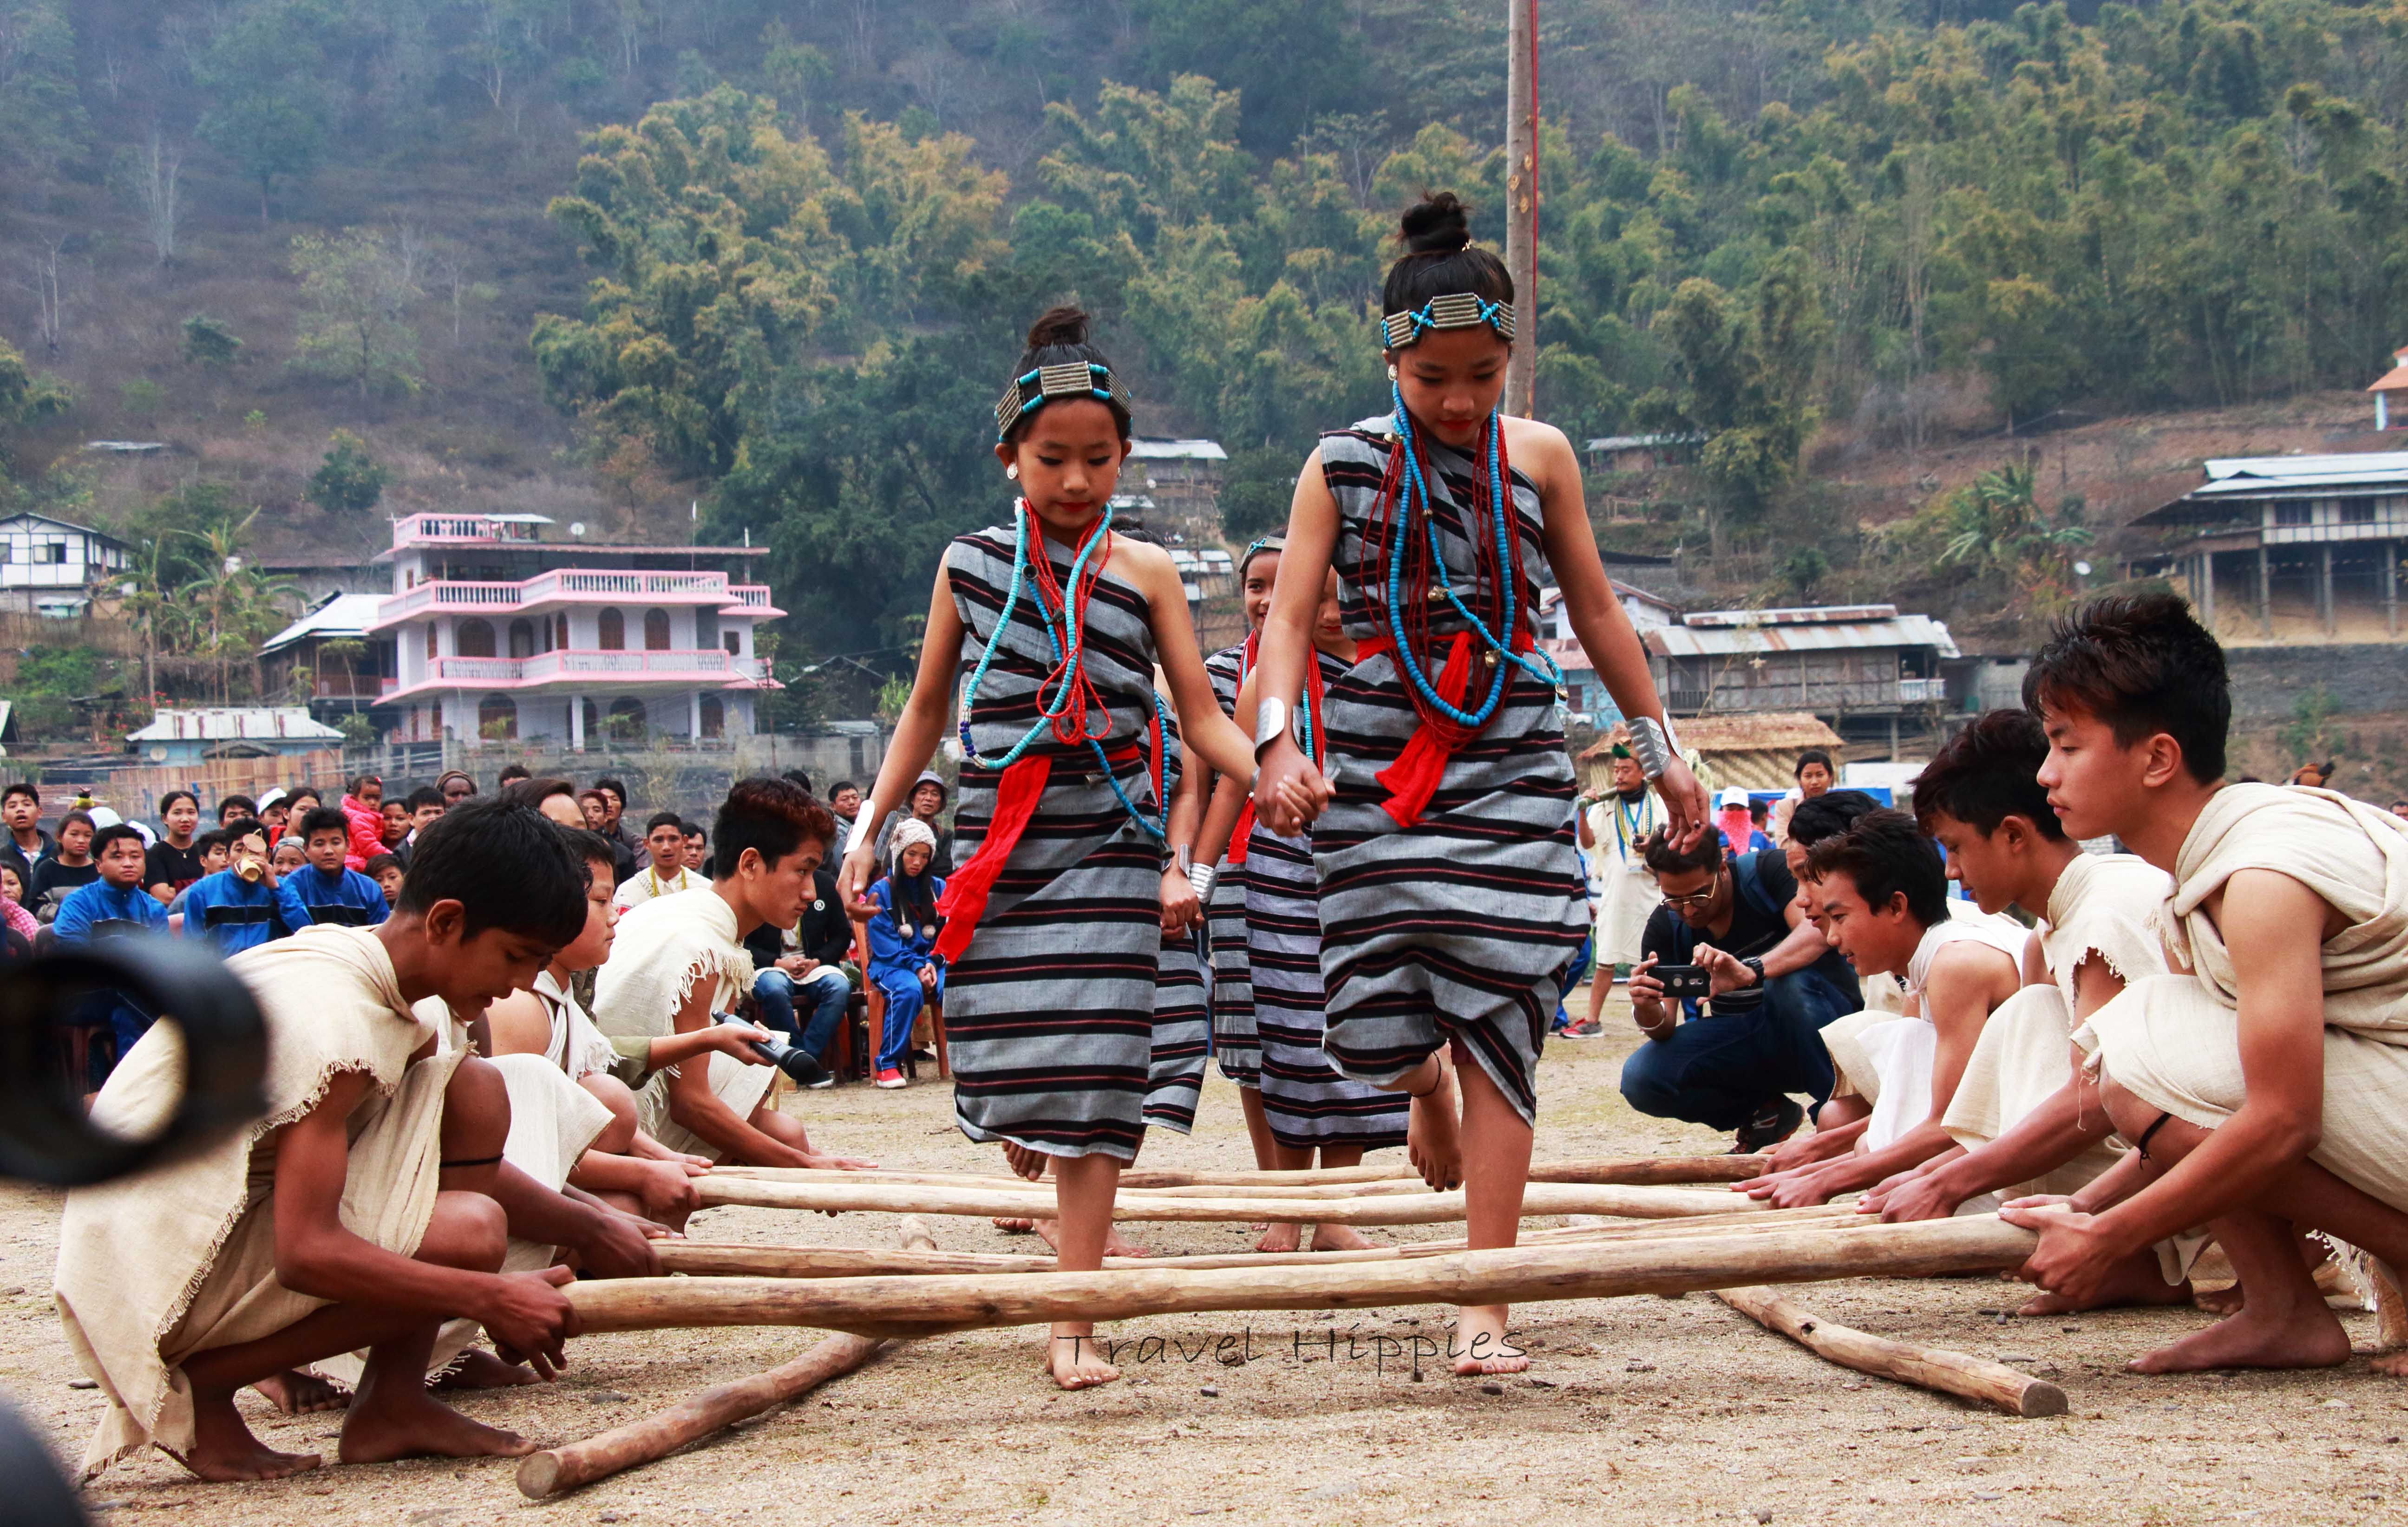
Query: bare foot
[1339, 1238]
[1282, 1236]
[1432, 1135]
[2394, 1363]
[402, 1420]
[1075, 1359]
[2305, 1337]
[1024, 1163]
[1013, 1226]
[298, 1394]
[224, 1449]
[2224, 1301]
[1479, 1344]
[479, 1369]
[2135, 1283]
[1117, 1245]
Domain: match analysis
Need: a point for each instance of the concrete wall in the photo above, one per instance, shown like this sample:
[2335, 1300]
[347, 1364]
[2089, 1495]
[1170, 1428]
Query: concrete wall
[2267, 681]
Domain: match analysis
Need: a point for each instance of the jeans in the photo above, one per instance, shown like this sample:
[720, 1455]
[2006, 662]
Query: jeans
[1721, 1069]
[825, 988]
[1572, 978]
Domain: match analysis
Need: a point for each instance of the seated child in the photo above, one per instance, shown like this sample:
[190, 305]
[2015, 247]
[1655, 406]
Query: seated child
[385, 870]
[331, 892]
[245, 905]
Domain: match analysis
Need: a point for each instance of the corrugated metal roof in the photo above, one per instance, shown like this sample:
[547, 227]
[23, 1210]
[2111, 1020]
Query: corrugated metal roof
[226, 723]
[341, 615]
[1686, 641]
[1145, 450]
[1635, 442]
[1793, 615]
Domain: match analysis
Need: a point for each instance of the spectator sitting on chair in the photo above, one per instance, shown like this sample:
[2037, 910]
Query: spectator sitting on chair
[804, 965]
[903, 942]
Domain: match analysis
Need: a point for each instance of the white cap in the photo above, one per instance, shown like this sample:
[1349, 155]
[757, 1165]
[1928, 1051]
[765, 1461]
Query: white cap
[1734, 796]
[270, 797]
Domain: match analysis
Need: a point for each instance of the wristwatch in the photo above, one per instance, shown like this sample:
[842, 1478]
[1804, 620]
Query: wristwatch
[1756, 966]
[1270, 722]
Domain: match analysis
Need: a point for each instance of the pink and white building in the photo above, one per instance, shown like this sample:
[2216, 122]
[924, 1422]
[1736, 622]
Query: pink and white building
[499, 635]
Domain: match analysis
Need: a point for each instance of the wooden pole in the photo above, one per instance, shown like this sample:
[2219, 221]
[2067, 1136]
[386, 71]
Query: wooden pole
[1522, 199]
[830, 1190]
[1992, 1384]
[655, 1436]
[1601, 1171]
[884, 1307]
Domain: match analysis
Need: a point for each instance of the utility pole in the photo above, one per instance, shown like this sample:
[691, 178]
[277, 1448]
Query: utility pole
[1521, 198]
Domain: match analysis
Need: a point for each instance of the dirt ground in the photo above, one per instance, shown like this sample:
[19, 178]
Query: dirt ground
[1636, 1410]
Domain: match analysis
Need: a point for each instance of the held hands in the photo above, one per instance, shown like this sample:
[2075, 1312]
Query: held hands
[1289, 792]
[1181, 908]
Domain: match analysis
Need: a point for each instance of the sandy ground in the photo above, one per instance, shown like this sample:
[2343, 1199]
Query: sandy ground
[1636, 1411]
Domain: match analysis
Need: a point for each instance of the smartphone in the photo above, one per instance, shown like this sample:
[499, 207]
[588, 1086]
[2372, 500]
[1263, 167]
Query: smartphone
[1684, 980]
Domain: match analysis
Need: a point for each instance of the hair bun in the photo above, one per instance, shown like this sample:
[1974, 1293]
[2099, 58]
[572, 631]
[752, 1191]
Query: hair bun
[1438, 223]
[1059, 326]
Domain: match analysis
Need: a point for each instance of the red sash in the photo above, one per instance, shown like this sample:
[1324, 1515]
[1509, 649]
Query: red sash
[1016, 796]
[1414, 777]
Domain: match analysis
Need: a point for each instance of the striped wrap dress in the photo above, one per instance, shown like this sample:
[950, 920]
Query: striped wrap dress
[1049, 1010]
[1183, 1026]
[1459, 929]
[1236, 1048]
[1307, 1102]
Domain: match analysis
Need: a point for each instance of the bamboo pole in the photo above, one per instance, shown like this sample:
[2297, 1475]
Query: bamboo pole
[653, 1437]
[884, 1307]
[1600, 1171]
[831, 1192]
[1992, 1384]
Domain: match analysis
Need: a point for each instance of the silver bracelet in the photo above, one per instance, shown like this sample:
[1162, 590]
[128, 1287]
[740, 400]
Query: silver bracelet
[863, 831]
[1201, 876]
[1652, 744]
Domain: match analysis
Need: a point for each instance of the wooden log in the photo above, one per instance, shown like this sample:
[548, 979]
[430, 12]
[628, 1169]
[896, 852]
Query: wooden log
[830, 1190]
[1601, 1171]
[1992, 1384]
[880, 1306]
[655, 1436]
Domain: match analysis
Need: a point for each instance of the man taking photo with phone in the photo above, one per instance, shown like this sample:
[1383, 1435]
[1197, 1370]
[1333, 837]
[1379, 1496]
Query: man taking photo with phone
[1733, 931]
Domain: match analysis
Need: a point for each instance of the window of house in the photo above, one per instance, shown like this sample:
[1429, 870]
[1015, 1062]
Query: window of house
[735, 646]
[2357, 511]
[53, 553]
[430, 641]
[591, 716]
[627, 721]
[522, 639]
[2295, 514]
[656, 631]
[714, 716]
[559, 629]
[475, 640]
[611, 631]
[498, 718]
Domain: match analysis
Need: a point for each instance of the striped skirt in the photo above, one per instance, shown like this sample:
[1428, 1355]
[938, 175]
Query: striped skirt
[1183, 1033]
[1049, 1012]
[1236, 1048]
[1307, 1102]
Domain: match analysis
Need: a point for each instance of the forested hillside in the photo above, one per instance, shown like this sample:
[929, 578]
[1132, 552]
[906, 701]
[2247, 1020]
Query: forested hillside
[774, 256]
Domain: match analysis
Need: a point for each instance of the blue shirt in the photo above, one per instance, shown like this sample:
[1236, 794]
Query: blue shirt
[900, 946]
[100, 910]
[231, 913]
[345, 896]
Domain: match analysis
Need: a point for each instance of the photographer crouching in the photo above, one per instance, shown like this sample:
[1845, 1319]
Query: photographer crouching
[1734, 949]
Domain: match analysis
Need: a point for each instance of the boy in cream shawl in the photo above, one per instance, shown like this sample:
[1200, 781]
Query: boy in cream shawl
[2022, 1119]
[678, 961]
[2265, 1086]
[367, 1205]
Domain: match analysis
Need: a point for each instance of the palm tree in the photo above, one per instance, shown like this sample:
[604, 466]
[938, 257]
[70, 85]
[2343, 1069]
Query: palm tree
[1995, 526]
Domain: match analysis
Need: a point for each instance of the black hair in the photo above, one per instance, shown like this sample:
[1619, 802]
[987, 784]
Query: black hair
[914, 896]
[1883, 855]
[693, 829]
[1814, 755]
[22, 786]
[1758, 809]
[531, 793]
[840, 787]
[1665, 857]
[664, 818]
[510, 772]
[2142, 664]
[589, 847]
[325, 818]
[801, 778]
[593, 793]
[351, 786]
[74, 817]
[1440, 258]
[172, 797]
[298, 791]
[203, 842]
[420, 799]
[1829, 815]
[772, 817]
[1060, 338]
[243, 827]
[509, 867]
[238, 806]
[1988, 773]
[115, 831]
[376, 866]
[614, 785]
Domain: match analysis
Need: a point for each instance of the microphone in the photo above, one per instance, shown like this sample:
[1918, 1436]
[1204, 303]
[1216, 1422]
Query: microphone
[796, 1063]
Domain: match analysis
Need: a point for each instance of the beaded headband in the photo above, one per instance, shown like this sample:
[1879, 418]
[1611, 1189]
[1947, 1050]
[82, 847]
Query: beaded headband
[1070, 380]
[1454, 311]
[1260, 543]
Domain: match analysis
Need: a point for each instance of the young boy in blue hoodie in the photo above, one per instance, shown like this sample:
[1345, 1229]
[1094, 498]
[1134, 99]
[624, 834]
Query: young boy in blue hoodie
[331, 892]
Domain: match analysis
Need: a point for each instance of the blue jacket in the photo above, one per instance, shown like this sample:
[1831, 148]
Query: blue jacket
[231, 913]
[346, 896]
[899, 947]
[100, 910]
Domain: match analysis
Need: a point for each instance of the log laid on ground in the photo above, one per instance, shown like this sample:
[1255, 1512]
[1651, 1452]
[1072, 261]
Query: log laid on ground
[884, 1307]
[698, 1416]
[1600, 1171]
[831, 1190]
[1992, 1384]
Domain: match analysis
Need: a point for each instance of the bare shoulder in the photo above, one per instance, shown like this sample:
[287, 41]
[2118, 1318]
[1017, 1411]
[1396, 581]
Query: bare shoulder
[1539, 448]
[1142, 562]
[1964, 974]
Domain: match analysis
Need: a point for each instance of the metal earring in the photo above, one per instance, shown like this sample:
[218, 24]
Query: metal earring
[1392, 371]
[1012, 471]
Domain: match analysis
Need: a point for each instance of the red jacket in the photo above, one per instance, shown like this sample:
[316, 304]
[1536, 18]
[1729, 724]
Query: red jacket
[367, 834]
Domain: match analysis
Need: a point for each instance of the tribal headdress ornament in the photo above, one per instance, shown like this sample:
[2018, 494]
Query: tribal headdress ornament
[1050, 383]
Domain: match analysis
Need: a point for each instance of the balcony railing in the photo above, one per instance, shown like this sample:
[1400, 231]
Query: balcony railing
[456, 529]
[568, 663]
[563, 586]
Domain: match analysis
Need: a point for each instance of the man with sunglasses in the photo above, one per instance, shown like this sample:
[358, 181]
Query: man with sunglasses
[1776, 981]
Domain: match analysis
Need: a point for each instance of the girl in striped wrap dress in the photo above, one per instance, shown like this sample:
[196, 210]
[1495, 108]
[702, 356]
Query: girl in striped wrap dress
[1052, 918]
[1450, 899]
[1229, 828]
[1309, 1105]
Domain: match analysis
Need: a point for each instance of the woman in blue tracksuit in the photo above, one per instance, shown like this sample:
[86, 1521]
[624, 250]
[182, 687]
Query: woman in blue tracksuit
[902, 943]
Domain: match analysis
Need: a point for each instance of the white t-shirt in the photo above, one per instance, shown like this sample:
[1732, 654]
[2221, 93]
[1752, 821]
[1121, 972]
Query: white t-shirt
[650, 884]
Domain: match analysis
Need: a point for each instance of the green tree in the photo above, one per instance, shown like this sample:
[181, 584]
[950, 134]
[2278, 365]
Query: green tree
[353, 293]
[41, 117]
[267, 79]
[1995, 528]
[1293, 61]
[348, 478]
[211, 342]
